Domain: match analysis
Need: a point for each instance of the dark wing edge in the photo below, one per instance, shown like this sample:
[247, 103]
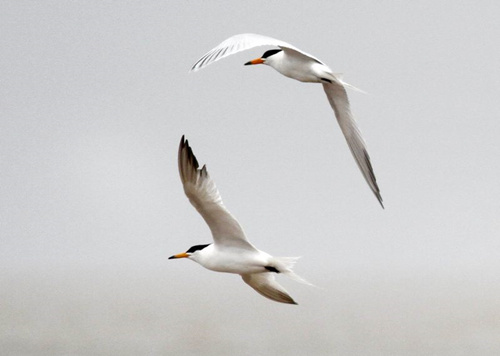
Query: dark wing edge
[337, 96]
[204, 196]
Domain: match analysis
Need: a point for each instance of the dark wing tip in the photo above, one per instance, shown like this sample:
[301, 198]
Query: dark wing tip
[180, 159]
[380, 200]
[373, 179]
[187, 157]
[289, 300]
[204, 170]
[191, 156]
[182, 144]
[195, 67]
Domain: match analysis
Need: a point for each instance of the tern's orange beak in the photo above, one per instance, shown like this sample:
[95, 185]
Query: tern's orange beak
[179, 255]
[255, 61]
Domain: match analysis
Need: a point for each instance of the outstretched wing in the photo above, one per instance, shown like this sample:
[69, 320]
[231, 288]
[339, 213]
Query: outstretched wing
[204, 196]
[266, 285]
[240, 43]
[337, 96]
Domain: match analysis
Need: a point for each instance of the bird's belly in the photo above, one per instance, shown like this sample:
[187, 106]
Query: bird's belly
[238, 264]
[302, 70]
[301, 76]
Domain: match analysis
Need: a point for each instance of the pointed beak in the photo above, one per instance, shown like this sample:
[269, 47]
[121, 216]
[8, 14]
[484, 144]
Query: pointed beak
[179, 255]
[255, 61]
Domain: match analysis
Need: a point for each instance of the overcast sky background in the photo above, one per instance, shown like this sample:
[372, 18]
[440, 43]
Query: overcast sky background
[94, 99]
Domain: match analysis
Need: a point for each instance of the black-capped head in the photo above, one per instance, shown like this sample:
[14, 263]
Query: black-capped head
[189, 252]
[264, 57]
[270, 52]
[195, 248]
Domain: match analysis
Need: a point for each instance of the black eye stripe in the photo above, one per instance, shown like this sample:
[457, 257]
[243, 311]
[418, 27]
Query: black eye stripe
[270, 52]
[196, 248]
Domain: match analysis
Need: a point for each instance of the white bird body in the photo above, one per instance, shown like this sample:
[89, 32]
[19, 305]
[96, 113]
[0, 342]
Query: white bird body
[219, 259]
[296, 64]
[302, 68]
[231, 252]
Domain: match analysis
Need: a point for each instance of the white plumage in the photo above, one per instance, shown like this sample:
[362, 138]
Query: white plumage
[231, 251]
[296, 64]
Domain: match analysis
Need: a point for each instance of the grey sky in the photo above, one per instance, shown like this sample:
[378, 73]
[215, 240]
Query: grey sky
[96, 95]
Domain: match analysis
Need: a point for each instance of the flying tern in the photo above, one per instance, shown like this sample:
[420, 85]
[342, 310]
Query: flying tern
[296, 64]
[230, 252]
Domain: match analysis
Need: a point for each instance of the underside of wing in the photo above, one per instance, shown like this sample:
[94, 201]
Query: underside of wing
[266, 285]
[337, 96]
[204, 196]
[240, 43]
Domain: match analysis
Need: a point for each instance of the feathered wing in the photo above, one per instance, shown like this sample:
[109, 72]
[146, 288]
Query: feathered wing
[337, 96]
[204, 196]
[240, 43]
[266, 285]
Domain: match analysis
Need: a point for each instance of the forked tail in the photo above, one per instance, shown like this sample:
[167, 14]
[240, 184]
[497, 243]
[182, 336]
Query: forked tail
[340, 78]
[285, 265]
